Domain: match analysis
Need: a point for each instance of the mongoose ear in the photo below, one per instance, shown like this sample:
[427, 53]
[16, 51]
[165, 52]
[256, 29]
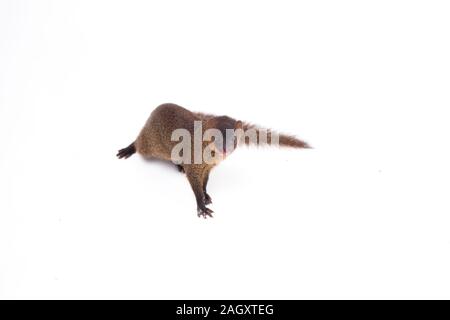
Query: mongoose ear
[238, 124]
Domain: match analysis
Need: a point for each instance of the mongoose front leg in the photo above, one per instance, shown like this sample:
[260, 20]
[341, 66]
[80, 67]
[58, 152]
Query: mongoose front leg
[194, 175]
[206, 196]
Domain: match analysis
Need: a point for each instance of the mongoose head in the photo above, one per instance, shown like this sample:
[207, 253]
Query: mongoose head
[227, 127]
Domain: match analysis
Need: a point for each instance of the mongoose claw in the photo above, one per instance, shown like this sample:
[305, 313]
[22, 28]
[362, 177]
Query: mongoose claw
[180, 168]
[204, 212]
[207, 199]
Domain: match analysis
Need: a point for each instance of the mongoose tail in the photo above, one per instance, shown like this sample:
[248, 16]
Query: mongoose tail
[284, 140]
[126, 152]
[293, 142]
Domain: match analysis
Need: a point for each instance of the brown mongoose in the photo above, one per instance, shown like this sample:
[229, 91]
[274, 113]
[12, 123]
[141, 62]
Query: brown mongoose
[156, 140]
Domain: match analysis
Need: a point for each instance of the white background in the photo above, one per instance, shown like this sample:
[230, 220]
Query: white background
[363, 215]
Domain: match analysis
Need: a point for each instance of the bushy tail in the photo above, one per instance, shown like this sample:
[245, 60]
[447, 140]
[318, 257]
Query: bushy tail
[126, 152]
[284, 140]
[259, 135]
[293, 142]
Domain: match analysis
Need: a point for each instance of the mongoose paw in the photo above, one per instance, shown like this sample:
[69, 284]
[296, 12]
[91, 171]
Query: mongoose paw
[207, 199]
[180, 168]
[123, 153]
[203, 212]
[127, 152]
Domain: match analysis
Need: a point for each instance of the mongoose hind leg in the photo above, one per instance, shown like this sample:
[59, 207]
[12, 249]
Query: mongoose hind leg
[126, 152]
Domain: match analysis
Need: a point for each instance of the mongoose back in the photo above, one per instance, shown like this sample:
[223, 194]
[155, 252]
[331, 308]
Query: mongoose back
[220, 135]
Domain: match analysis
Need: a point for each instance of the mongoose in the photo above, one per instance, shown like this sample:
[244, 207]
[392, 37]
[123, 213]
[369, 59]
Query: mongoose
[156, 140]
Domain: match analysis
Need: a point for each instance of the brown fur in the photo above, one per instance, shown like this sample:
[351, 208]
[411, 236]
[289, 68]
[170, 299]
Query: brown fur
[284, 140]
[154, 141]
